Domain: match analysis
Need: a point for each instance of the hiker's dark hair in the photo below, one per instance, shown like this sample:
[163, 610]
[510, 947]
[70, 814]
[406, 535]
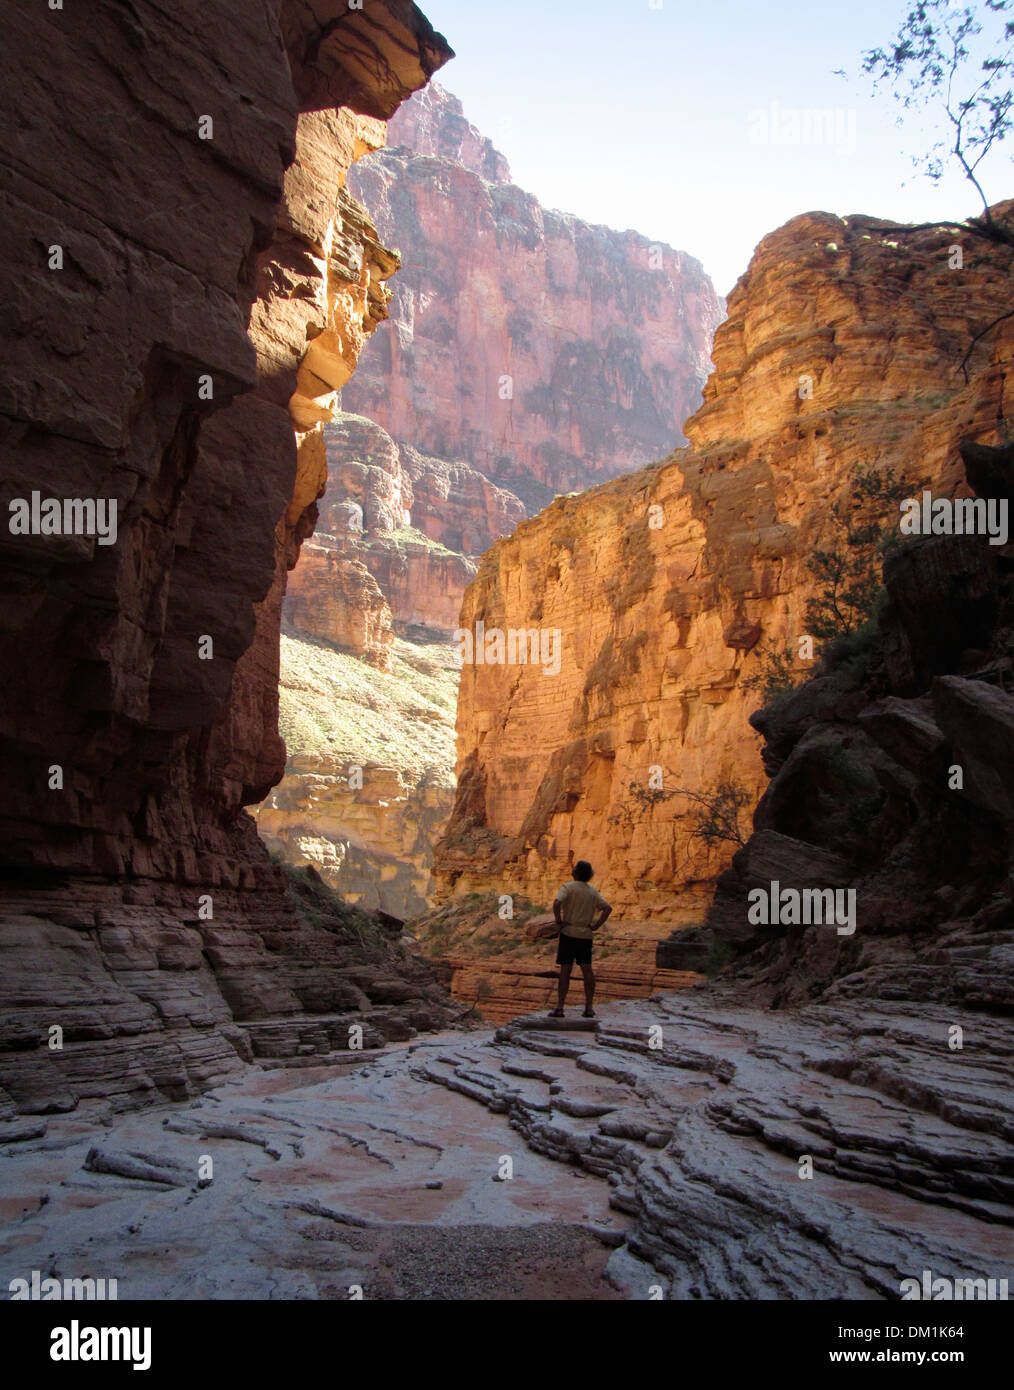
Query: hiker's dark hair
[583, 871]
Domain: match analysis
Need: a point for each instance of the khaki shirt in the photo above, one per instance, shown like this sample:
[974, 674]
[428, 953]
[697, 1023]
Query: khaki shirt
[580, 904]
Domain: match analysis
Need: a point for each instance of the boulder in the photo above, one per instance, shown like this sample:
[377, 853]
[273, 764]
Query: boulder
[978, 720]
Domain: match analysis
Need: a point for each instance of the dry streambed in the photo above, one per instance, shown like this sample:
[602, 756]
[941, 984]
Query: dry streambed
[662, 1150]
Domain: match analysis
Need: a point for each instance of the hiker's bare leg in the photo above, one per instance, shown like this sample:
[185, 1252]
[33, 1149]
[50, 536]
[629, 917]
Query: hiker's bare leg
[562, 985]
[589, 985]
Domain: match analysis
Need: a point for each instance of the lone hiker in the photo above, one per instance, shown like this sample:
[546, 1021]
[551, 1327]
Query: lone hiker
[580, 911]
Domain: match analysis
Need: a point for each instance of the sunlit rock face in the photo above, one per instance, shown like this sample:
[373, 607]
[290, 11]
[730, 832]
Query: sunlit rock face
[372, 587]
[212, 298]
[338, 599]
[891, 780]
[372, 843]
[528, 354]
[396, 540]
[546, 353]
[842, 348]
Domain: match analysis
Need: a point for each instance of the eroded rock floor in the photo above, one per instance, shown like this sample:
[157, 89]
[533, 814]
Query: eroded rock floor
[548, 1162]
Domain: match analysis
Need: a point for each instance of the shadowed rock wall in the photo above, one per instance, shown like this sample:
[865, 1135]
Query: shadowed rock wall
[190, 284]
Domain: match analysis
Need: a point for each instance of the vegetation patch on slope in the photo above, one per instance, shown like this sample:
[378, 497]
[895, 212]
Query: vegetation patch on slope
[331, 703]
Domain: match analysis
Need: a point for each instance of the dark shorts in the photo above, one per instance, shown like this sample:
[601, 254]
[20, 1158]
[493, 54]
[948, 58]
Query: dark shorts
[573, 950]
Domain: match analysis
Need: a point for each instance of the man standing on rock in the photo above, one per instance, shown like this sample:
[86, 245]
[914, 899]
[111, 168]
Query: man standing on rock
[580, 911]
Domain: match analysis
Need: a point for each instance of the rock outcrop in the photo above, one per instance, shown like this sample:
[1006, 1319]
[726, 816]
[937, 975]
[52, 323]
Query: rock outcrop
[374, 843]
[416, 525]
[369, 779]
[178, 415]
[545, 353]
[842, 349]
[550, 355]
[157, 1003]
[658, 1154]
[337, 598]
[181, 323]
[892, 778]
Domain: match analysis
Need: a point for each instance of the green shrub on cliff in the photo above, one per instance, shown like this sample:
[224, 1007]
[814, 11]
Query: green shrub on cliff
[843, 614]
[324, 907]
[848, 569]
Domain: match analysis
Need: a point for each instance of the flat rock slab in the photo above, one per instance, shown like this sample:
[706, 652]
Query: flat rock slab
[17, 1131]
[321, 1179]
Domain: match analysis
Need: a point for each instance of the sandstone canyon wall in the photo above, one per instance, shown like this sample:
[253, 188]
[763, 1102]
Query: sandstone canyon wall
[841, 349]
[412, 525]
[370, 771]
[893, 776]
[526, 353]
[190, 285]
[546, 353]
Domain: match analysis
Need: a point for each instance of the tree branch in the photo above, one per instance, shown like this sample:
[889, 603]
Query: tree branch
[963, 367]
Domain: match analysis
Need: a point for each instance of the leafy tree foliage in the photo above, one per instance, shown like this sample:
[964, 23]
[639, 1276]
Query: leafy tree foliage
[848, 569]
[957, 63]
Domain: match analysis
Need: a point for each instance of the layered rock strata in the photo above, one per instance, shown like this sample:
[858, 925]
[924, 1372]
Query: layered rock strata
[698, 1112]
[500, 991]
[892, 779]
[842, 349]
[529, 354]
[659, 1152]
[543, 352]
[180, 326]
[396, 542]
[154, 1002]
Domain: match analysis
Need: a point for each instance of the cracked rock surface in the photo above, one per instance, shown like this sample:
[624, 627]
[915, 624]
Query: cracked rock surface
[661, 1146]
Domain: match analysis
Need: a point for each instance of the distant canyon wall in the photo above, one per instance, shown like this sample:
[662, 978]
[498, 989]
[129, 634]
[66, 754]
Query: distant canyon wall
[842, 349]
[370, 587]
[372, 842]
[526, 354]
[547, 353]
[394, 541]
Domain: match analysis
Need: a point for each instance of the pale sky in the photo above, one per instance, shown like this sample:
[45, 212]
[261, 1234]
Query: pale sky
[635, 113]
